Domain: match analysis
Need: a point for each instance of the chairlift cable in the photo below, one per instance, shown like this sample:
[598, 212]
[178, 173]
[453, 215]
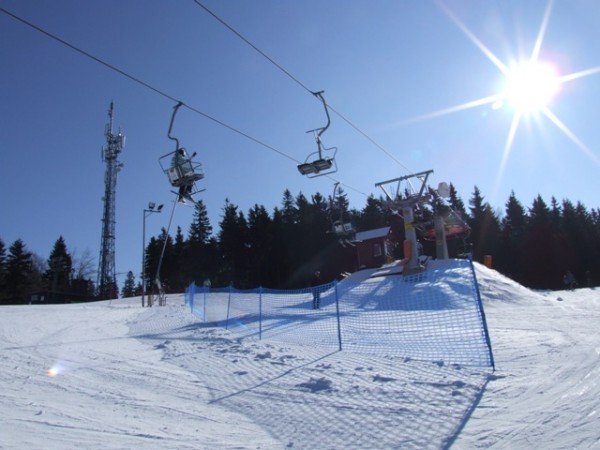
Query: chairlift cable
[83, 52]
[369, 138]
[286, 72]
[238, 34]
[143, 83]
[156, 90]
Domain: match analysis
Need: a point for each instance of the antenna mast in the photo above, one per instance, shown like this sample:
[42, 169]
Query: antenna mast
[107, 283]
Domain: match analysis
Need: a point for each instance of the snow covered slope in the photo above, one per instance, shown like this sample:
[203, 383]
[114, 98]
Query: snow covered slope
[114, 375]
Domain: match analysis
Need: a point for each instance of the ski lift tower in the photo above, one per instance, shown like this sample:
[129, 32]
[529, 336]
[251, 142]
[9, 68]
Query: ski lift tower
[107, 283]
[405, 206]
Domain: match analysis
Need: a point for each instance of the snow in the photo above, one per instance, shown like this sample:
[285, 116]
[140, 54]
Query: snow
[115, 375]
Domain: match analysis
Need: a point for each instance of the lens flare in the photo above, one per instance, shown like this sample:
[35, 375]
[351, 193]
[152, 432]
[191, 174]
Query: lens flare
[55, 370]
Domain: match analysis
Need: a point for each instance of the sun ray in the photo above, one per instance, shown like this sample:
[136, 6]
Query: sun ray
[514, 125]
[540, 37]
[581, 74]
[486, 51]
[550, 115]
[463, 106]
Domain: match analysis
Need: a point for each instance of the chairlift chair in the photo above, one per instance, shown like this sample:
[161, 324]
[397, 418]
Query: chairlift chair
[343, 229]
[182, 173]
[316, 164]
[180, 168]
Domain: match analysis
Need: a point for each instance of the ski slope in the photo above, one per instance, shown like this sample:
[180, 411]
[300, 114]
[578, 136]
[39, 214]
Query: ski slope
[114, 375]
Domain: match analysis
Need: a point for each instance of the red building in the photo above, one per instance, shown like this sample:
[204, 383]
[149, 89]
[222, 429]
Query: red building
[374, 247]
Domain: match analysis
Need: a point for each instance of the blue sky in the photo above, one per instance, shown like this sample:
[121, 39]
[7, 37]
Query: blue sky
[382, 64]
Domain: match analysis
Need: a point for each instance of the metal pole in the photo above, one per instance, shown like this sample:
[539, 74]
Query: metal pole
[441, 246]
[162, 301]
[482, 315]
[192, 297]
[228, 305]
[145, 214]
[337, 311]
[260, 312]
[206, 288]
[411, 235]
[144, 258]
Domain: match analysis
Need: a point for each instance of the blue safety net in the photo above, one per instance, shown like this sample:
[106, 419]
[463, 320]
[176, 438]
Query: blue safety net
[435, 315]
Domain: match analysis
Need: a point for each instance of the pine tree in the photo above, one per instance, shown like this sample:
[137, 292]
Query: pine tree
[128, 286]
[83, 274]
[200, 229]
[513, 231]
[260, 242]
[232, 244]
[578, 238]
[60, 265]
[485, 227]
[280, 261]
[287, 229]
[555, 213]
[372, 215]
[456, 203]
[289, 212]
[18, 273]
[541, 265]
[179, 275]
[312, 234]
[200, 256]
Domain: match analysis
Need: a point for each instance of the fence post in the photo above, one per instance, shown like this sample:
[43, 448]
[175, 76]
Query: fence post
[260, 312]
[206, 288]
[228, 305]
[337, 311]
[482, 315]
[192, 297]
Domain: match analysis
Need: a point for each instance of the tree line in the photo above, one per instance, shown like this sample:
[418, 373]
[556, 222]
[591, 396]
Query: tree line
[62, 275]
[534, 245]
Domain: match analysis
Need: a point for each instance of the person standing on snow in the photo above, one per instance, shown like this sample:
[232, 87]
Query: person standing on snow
[569, 280]
[315, 291]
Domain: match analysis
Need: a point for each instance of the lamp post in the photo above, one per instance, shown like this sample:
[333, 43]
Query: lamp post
[147, 212]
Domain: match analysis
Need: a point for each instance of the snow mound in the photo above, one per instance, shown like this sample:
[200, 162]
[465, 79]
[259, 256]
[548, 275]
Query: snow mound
[495, 287]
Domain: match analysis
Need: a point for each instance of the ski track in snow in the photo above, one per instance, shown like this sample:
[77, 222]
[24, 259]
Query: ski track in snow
[318, 398]
[157, 378]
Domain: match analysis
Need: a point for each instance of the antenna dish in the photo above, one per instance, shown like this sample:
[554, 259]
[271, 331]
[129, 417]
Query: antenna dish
[443, 190]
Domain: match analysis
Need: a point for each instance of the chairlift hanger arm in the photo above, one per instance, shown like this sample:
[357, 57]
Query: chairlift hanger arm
[175, 109]
[322, 130]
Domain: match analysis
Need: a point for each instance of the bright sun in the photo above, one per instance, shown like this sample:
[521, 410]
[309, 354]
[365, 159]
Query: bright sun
[531, 86]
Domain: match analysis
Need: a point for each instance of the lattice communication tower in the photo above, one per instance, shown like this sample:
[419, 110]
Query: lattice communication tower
[107, 283]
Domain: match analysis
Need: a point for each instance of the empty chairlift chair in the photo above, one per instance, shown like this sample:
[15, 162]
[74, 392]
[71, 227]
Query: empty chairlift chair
[316, 163]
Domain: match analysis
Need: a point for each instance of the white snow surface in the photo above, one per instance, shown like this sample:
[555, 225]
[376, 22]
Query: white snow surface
[114, 375]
